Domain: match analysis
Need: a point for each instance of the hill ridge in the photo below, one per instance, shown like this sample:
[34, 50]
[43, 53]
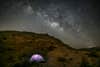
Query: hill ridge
[16, 48]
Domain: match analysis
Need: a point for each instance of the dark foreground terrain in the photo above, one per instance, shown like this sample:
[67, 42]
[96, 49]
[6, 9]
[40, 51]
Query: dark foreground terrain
[16, 48]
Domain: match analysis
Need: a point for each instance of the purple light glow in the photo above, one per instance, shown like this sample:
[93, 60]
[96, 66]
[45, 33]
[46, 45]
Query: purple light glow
[36, 58]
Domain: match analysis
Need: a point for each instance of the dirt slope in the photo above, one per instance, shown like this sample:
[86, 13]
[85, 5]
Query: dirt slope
[17, 47]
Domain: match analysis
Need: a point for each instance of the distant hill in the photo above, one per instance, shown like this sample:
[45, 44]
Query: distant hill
[16, 48]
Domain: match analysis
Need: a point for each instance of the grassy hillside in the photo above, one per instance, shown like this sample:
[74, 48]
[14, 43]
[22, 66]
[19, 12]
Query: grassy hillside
[16, 49]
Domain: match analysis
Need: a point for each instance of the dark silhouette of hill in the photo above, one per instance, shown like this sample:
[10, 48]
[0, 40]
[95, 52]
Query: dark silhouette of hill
[16, 48]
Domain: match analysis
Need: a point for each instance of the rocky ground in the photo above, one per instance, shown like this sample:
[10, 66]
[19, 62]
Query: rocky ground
[16, 48]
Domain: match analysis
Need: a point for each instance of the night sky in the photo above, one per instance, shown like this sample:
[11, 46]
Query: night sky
[75, 22]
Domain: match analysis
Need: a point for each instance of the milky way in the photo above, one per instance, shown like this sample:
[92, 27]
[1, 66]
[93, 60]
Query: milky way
[75, 22]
